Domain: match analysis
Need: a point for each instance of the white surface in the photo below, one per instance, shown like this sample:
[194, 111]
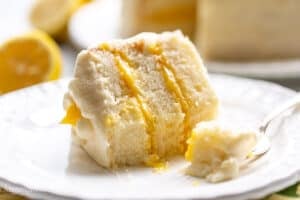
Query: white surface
[38, 160]
[14, 18]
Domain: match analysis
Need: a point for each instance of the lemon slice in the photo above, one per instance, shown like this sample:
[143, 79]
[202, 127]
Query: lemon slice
[52, 16]
[27, 60]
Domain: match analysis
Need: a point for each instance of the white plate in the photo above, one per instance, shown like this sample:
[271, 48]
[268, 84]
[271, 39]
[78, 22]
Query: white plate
[97, 21]
[39, 161]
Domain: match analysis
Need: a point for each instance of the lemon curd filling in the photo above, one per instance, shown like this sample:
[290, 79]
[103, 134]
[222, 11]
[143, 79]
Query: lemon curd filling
[155, 161]
[128, 78]
[173, 85]
[124, 65]
[109, 121]
[190, 149]
[73, 115]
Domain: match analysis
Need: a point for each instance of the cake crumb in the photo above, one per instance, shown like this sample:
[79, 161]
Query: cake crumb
[216, 153]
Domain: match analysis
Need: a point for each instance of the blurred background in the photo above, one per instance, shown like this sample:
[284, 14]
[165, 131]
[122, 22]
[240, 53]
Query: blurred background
[39, 39]
[258, 39]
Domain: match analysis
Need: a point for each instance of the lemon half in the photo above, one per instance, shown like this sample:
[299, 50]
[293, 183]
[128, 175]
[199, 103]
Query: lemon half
[27, 60]
[52, 16]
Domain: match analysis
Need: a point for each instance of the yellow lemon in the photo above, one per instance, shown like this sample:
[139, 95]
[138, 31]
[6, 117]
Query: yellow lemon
[52, 16]
[27, 60]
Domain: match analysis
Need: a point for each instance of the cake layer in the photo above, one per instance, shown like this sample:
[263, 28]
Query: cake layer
[158, 16]
[250, 29]
[141, 95]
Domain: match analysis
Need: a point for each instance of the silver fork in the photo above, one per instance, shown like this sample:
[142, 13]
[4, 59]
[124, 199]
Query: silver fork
[263, 145]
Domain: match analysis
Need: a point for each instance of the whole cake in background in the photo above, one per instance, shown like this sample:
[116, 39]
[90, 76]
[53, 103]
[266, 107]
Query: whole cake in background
[249, 29]
[135, 101]
[158, 16]
[222, 29]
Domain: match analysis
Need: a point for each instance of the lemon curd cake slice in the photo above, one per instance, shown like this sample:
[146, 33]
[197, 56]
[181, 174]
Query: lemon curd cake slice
[135, 101]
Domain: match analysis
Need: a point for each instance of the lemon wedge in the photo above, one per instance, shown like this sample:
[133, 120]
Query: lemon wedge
[27, 60]
[52, 16]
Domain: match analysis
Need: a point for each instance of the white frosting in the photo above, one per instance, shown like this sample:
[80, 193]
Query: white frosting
[93, 141]
[85, 91]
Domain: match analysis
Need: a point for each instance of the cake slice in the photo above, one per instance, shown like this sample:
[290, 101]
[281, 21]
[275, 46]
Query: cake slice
[158, 16]
[134, 101]
[249, 29]
[216, 153]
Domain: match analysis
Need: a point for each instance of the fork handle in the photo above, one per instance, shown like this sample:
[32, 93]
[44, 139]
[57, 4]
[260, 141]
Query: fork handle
[295, 101]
